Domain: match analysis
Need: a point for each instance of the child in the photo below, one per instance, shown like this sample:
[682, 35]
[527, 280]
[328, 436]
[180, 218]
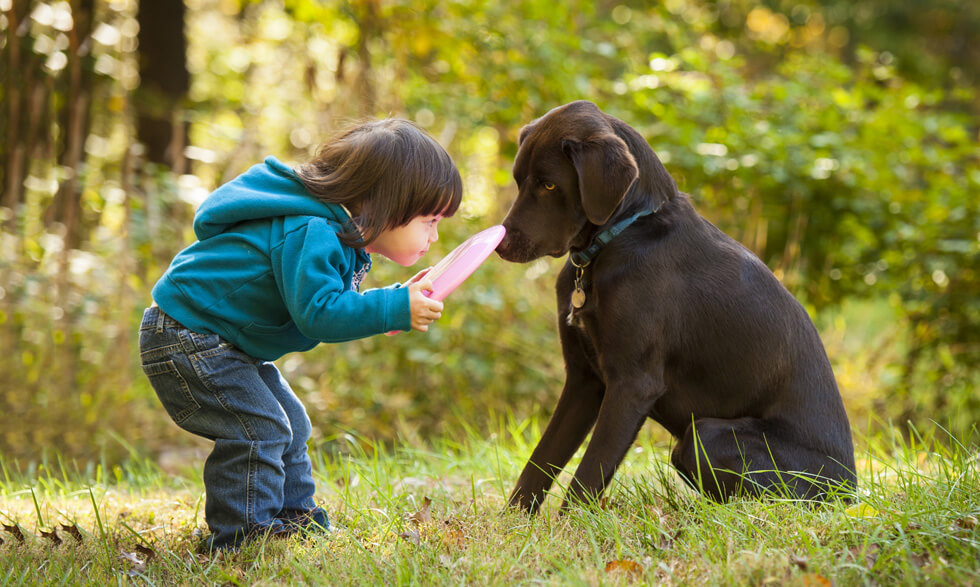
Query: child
[276, 269]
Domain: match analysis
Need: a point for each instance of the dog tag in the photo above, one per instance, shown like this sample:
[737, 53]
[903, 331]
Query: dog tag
[578, 298]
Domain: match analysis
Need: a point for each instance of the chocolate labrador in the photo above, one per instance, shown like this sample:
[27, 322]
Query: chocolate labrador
[663, 316]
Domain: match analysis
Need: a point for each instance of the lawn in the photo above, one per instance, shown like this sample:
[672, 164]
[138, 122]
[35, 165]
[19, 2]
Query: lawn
[433, 514]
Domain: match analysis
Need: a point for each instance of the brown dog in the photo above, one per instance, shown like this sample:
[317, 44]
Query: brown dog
[663, 316]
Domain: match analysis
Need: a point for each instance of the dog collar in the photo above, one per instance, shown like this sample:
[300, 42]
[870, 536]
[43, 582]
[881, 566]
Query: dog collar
[581, 259]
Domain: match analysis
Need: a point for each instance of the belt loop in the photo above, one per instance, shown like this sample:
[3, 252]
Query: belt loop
[184, 336]
[160, 319]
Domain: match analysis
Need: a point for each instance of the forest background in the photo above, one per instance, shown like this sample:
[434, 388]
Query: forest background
[836, 139]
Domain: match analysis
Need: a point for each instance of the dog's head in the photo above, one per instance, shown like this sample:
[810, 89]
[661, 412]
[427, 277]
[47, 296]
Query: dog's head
[574, 166]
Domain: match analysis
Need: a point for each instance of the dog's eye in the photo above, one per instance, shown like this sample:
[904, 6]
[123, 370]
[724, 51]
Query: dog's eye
[549, 186]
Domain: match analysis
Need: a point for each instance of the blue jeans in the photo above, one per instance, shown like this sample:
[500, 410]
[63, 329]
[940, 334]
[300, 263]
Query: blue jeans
[258, 477]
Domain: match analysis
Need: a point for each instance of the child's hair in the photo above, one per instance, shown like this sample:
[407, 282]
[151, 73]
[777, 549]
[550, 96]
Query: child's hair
[386, 172]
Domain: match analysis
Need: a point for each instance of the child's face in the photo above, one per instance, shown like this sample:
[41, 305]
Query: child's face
[406, 244]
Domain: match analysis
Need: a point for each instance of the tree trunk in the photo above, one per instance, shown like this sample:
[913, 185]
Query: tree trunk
[73, 119]
[164, 82]
[17, 74]
[370, 27]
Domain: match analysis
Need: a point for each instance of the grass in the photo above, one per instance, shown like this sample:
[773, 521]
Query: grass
[434, 514]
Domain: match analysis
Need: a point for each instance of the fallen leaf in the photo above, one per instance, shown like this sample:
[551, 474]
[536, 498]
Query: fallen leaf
[968, 523]
[423, 516]
[411, 536]
[632, 569]
[815, 580]
[139, 566]
[454, 536]
[148, 553]
[15, 530]
[799, 562]
[73, 531]
[667, 542]
[52, 536]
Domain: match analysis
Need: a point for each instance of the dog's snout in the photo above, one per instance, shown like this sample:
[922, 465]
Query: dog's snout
[515, 246]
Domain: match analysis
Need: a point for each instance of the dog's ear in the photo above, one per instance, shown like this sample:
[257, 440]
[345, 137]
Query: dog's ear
[606, 170]
[525, 130]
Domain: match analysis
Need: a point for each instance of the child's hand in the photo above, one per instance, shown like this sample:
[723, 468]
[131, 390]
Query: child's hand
[425, 311]
[418, 276]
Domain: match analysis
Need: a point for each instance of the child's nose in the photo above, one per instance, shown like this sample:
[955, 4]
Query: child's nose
[433, 235]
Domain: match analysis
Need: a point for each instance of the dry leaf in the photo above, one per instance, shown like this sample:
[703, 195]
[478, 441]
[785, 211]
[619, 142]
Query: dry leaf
[968, 523]
[632, 569]
[52, 536]
[139, 566]
[148, 553]
[423, 516]
[454, 535]
[666, 543]
[73, 531]
[799, 562]
[411, 536]
[15, 530]
[815, 580]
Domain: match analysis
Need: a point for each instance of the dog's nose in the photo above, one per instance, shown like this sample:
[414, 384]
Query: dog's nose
[515, 247]
[504, 245]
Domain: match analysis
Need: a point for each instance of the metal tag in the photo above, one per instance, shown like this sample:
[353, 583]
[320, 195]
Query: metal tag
[578, 298]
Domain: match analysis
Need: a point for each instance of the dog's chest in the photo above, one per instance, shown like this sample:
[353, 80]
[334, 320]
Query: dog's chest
[576, 310]
[575, 318]
[582, 323]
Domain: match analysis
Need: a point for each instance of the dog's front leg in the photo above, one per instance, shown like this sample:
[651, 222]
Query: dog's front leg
[574, 416]
[625, 408]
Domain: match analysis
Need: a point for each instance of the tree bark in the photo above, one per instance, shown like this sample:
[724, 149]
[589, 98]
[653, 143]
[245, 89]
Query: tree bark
[73, 119]
[164, 81]
[370, 27]
[17, 93]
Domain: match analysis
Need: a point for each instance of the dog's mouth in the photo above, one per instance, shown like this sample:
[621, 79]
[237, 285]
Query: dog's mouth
[518, 248]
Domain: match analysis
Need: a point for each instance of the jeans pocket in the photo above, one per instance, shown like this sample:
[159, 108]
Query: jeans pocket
[172, 389]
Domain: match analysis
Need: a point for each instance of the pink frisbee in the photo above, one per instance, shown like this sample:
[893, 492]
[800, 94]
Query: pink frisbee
[455, 267]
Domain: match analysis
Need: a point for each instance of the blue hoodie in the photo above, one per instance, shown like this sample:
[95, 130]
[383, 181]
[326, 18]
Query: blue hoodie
[269, 273]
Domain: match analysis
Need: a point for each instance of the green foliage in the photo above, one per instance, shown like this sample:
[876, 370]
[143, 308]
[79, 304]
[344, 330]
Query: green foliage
[850, 177]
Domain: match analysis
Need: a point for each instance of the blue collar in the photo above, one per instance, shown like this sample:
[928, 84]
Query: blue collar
[582, 258]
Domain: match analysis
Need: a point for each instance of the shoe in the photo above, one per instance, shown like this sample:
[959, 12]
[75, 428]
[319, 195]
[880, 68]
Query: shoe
[313, 521]
[276, 530]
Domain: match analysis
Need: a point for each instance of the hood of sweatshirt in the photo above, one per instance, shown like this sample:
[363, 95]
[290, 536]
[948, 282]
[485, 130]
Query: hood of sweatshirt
[266, 190]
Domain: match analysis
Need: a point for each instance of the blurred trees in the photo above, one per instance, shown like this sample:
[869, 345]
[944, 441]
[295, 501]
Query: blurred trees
[836, 139]
[164, 81]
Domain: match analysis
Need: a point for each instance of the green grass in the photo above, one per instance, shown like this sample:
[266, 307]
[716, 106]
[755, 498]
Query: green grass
[916, 523]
